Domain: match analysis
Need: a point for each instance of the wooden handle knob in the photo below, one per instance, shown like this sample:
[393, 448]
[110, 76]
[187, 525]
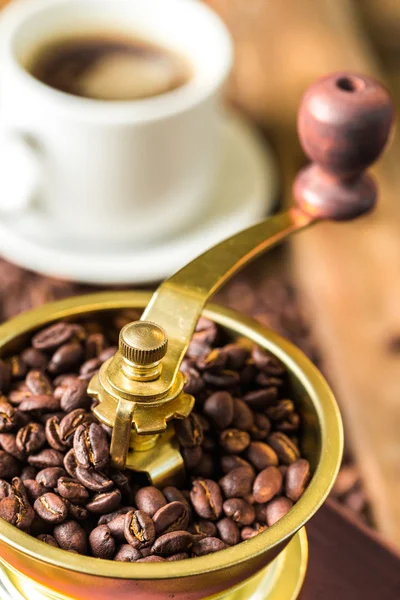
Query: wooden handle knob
[344, 122]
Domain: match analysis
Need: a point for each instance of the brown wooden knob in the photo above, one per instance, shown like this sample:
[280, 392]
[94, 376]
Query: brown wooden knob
[344, 123]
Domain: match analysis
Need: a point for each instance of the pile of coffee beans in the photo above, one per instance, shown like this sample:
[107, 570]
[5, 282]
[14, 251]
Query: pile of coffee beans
[244, 469]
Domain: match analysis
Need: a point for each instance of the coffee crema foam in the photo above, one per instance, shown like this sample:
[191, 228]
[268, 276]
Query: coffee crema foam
[106, 67]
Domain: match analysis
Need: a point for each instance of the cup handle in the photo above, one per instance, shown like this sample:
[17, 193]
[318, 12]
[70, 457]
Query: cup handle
[20, 170]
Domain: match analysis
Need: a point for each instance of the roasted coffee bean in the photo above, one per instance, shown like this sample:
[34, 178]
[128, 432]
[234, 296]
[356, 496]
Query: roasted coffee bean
[239, 511]
[223, 380]
[107, 353]
[107, 518]
[267, 362]
[102, 544]
[179, 556]
[28, 473]
[93, 480]
[76, 511]
[104, 502]
[91, 446]
[171, 517]
[127, 554]
[276, 509]
[151, 559]
[75, 396]
[38, 383]
[243, 417]
[5, 489]
[70, 423]
[41, 403]
[189, 431]
[194, 382]
[17, 512]
[260, 512]
[280, 411]
[214, 360]
[290, 424]
[35, 489]
[65, 358]
[206, 499]
[232, 461]
[122, 482]
[52, 433]
[94, 345]
[238, 483]
[8, 443]
[34, 359]
[53, 336]
[117, 527]
[48, 539]
[237, 356]
[18, 367]
[261, 427]
[220, 408]
[71, 464]
[249, 532]
[8, 416]
[9, 466]
[260, 399]
[192, 457]
[267, 484]
[261, 456]
[72, 490]
[204, 528]
[71, 536]
[228, 531]
[297, 478]
[234, 441]
[345, 483]
[19, 394]
[46, 458]
[208, 546]
[51, 508]
[285, 448]
[5, 376]
[172, 543]
[30, 438]
[172, 494]
[139, 529]
[89, 368]
[149, 500]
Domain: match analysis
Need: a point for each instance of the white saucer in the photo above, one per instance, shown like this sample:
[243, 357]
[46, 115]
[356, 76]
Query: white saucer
[245, 192]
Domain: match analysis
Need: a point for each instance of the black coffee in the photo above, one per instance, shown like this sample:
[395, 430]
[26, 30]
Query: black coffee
[109, 68]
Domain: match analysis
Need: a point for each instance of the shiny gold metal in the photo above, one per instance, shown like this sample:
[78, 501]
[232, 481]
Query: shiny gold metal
[36, 566]
[142, 344]
[281, 580]
[135, 374]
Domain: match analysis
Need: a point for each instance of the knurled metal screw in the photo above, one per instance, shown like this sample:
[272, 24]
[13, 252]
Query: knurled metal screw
[143, 342]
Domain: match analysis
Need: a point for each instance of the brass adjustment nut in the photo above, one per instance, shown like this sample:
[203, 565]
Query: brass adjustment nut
[142, 344]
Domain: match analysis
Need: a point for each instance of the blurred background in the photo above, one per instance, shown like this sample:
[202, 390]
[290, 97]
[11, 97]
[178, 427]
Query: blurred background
[335, 290]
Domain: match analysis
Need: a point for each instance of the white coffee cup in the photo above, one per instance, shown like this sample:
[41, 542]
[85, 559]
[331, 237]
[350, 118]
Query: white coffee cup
[108, 171]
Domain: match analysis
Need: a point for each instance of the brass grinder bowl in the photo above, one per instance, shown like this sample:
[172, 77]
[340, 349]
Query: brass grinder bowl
[66, 575]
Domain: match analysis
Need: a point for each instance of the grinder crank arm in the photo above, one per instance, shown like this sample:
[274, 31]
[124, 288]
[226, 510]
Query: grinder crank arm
[344, 123]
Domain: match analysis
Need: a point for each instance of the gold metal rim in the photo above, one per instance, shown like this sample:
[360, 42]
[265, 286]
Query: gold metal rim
[316, 493]
[280, 580]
